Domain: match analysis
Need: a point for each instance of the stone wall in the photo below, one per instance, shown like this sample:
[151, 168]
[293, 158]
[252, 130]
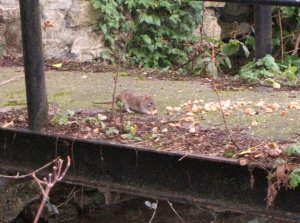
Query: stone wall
[67, 29]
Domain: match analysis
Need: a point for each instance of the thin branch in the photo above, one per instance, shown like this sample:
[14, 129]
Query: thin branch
[173, 209]
[297, 44]
[224, 118]
[154, 212]
[47, 184]
[281, 34]
[17, 176]
[11, 79]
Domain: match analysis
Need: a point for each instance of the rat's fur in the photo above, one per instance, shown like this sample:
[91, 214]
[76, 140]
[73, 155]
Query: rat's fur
[136, 101]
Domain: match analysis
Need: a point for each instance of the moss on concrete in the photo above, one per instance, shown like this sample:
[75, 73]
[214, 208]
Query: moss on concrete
[77, 90]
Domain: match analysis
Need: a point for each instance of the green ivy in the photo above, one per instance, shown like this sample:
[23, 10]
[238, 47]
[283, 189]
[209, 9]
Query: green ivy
[153, 33]
[268, 71]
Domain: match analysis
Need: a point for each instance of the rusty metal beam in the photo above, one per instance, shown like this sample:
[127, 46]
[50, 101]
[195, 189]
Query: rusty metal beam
[195, 180]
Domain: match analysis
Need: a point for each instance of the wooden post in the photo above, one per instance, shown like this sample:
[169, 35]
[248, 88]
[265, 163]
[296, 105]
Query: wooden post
[263, 30]
[37, 103]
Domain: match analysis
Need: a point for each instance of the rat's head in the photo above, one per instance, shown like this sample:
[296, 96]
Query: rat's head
[148, 106]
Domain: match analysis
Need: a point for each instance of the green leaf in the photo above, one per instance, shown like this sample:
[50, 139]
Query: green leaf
[293, 150]
[104, 29]
[250, 41]
[227, 61]
[294, 178]
[146, 39]
[174, 19]
[231, 48]
[245, 49]
[156, 20]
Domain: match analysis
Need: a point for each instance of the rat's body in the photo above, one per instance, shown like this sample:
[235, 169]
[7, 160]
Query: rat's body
[131, 100]
[136, 101]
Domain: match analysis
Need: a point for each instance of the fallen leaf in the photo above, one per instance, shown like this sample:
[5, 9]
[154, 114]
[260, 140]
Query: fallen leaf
[164, 130]
[274, 106]
[283, 113]
[249, 111]
[190, 114]
[259, 104]
[8, 124]
[96, 130]
[269, 110]
[57, 65]
[192, 130]
[254, 123]
[276, 85]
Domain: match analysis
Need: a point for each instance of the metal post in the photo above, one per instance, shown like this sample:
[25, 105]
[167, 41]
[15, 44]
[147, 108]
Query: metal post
[37, 103]
[263, 30]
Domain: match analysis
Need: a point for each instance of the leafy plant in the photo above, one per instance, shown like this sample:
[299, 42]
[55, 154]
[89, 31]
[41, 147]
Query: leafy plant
[262, 69]
[293, 150]
[61, 118]
[130, 130]
[294, 178]
[90, 120]
[210, 54]
[112, 131]
[289, 17]
[159, 33]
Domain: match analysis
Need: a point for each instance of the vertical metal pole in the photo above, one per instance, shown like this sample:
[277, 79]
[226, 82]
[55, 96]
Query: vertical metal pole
[263, 30]
[37, 103]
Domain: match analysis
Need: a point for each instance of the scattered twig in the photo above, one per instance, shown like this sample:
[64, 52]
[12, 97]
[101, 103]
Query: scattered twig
[173, 209]
[11, 79]
[297, 44]
[47, 184]
[69, 197]
[183, 157]
[224, 118]
[154, 212]
[279, 20]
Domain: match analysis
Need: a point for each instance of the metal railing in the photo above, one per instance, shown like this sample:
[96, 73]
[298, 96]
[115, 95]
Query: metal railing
[262, 2]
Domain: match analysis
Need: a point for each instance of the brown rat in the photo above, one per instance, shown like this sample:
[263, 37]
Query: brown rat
[132, 100]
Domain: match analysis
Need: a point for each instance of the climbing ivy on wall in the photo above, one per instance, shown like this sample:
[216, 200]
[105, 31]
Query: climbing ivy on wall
[155, 33]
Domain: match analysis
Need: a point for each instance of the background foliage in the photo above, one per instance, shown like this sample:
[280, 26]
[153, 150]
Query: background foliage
[155, 33]
[159, 33]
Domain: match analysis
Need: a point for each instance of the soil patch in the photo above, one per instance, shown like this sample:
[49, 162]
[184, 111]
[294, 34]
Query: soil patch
[154, 132]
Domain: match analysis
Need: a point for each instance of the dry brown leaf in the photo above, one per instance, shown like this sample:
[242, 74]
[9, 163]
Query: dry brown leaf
[283, 113]
[260, 104]
[96, 130]
[274, 152]
[8, 124]
[269, 110]
[249, 111]
[274, 106]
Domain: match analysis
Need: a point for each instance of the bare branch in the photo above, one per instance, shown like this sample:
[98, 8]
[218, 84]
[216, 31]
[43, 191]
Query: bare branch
[173, 209]
[47, 184]
[154, 212]
[11, 79]
[17, 176]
